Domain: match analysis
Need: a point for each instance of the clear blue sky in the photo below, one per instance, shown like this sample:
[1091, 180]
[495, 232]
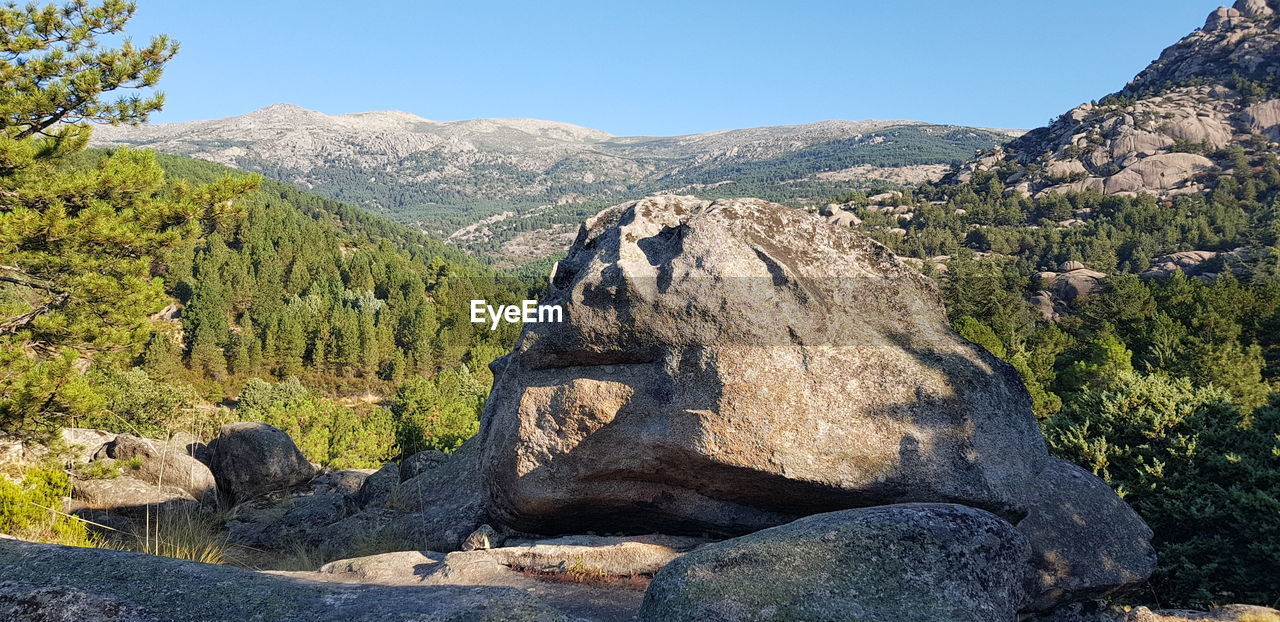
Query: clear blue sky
[663, 67]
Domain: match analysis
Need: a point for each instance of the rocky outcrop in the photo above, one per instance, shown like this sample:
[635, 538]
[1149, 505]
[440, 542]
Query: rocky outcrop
[1074, 282]
[730, 366]
[82, 443]
[837, 215]
[441, 506]
[1153, 136]
[51, 582]
[252, 458]
[882, 564]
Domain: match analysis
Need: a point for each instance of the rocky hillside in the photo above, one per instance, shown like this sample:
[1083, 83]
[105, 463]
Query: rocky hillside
[451, 174]
[1166, 131]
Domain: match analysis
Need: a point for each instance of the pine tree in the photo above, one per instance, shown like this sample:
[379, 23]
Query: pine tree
[77, 241]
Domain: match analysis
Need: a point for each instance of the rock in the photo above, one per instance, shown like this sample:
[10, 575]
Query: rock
[1158, 172]
[445, 504]
[1068, 266]
[104, 522]
[130, 497]
[837, 215]
[1193, 263]
[882, 564]
[189, 444]
[382, 566]
[346, 482]
[1228, 613]
[163, 464]
[607, 556]
[1223, 18]
[33, 603]
[300, 519]
[98, 585]
[1086, 542]
[1077, 285]
[1253, 9]
[586, 556]
[1264, 118]
[252, 458]
[83, 443]
[378, 487]
[726, 367]
[484, 537]
[421, 462]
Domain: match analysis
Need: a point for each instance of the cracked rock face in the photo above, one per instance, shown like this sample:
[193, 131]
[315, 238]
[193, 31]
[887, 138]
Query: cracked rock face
[730, 366]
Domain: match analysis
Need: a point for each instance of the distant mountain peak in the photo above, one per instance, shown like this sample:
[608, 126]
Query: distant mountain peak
[1217, 87]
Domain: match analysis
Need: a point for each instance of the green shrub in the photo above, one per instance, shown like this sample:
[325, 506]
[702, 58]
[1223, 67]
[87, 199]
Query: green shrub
[30, 508]
[1202, 473]
[327, 433]
[438, 413]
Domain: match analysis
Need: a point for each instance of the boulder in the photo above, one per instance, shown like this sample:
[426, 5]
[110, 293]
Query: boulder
[99, 585]
[444, 505]
[347, 482]
[421, 462]
[1158, 172]
[728, 366]
[484, 537]
[884, 564]
[379, 486]
[584, 556]
[1086, 542]
[1253, 9]
[300, 519]
[83, 443]
[128, 496]
[253, 458]
[384, 566]
[163, 464]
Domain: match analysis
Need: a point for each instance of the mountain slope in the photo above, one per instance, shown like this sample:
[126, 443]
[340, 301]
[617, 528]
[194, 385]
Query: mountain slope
[309, 287]
[451, 174]
[1173, 125]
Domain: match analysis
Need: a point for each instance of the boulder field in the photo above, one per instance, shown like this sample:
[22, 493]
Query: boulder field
[748, 413]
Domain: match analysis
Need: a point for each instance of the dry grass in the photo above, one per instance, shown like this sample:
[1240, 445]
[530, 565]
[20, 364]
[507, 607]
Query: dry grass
[180, 533]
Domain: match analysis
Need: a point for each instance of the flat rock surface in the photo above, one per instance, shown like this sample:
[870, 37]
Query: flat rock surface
[50, 582]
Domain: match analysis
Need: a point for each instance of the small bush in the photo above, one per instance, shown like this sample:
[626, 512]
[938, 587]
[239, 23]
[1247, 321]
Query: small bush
[98, 469]
[30, 508]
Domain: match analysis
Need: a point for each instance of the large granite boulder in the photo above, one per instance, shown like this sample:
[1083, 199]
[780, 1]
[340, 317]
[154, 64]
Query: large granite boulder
[900, 563]
[250, 458]
[729, 366]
